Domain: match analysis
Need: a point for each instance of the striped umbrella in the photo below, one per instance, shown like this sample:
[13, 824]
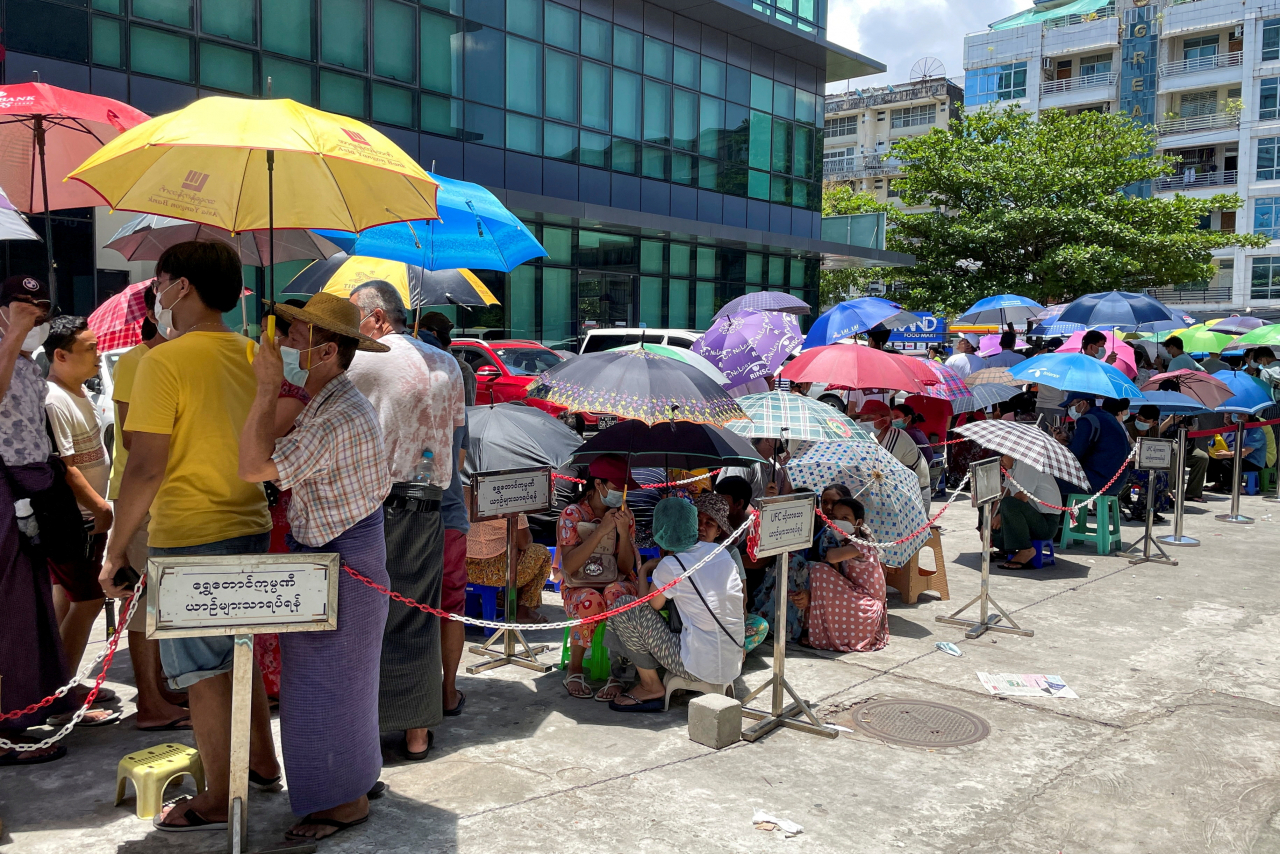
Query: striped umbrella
[783, 415]
[950, 384]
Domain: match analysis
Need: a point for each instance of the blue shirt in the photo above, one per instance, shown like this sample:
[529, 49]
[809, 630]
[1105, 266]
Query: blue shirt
[1253, 438]
[1101, 444]
[453, 507]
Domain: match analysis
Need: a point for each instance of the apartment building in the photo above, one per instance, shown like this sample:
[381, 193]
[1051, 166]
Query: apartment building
[1205, 73]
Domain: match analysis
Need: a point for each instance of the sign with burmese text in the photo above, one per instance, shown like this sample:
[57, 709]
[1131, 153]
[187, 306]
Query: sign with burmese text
[786, 524]
[495, 494]
[242, 594]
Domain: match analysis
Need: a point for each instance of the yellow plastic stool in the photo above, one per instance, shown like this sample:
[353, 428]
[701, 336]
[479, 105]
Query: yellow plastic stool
[152, 770]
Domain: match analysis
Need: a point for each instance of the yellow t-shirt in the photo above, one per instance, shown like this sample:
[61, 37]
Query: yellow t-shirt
[121, 389]
[197, 389]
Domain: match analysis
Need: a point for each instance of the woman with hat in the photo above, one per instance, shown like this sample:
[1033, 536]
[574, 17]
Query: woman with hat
[597, 559]
[335, 463]
[714, 527]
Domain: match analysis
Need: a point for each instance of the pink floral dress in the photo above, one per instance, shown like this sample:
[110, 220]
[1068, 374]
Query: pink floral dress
[584, 602]
[847, 610]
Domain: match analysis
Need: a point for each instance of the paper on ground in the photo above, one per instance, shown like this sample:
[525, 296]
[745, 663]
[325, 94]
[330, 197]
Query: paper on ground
[1026, 685]
[788, 827]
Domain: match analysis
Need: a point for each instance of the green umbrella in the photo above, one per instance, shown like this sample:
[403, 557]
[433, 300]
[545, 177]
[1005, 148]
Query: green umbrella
[1205, 341]
[1263, 336]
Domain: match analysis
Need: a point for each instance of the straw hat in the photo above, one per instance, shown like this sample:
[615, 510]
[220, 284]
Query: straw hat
[335, 314]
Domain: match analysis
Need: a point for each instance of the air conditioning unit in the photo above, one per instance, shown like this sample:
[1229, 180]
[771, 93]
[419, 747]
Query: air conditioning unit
[1046, 63]
[1238, 32]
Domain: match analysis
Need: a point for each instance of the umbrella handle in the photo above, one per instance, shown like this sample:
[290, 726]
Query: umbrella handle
[271, 333]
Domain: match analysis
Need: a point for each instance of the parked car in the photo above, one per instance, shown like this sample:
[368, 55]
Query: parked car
[505, 370]
[611, 337]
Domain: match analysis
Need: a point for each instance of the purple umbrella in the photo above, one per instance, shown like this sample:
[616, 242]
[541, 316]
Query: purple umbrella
[749, 345]
[763, 301]
[1236, 325]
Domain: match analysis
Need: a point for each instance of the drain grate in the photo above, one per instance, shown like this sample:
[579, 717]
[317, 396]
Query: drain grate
[918, 723]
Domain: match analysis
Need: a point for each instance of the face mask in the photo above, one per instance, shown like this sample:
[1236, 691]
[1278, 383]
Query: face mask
[846, 527]
[164, 316]
[1075, 412]
[293, 370]
[613, 498]
[35, 338]
[1099, 353]
[899, 423]
[1142, 425]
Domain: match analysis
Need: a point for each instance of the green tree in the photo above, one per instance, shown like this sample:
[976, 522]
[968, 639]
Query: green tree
[1037, 207]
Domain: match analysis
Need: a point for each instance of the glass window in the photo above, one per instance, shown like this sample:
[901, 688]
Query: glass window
[656, 163]
[803, 152]
[679, 259]
[562, 27]
[626, 48]
[559, 244]
[651, 257]
[1271, 40]
[393, 40]
[594, 150]
[342, 93]
[525, 17]
[1198, 103]
[597, 38]
[624, 156]
[909, 117]
[560, 142]
[995, 83]
[739, 85]
[287, 27]
[761, 93]
[484, 125]
[1267, 159]
[799, 194]
[1099, 63]
[678, 301]
[1265, 283]
[704, 304]
[524, 134]
[710, 125]
[758, 156]
[524, 76]
[160, 54]
[440, 52]
[626, 104]
[685, 69]
[784, 100]
[558, 328]
[1268, 88]
[736, 141]
[108, 42]
[440, 115]
[486, 12]
[684, 131]
[174, 12]
[781, 158]
[521, 314]
[806, 105]
[595, 96]
[777, 270]
[713, 77]
[393, 105]
[232, 19]
[780, 190]
[733, 180]
[682, 166]
[46, 29]
[657, 113]
[1264, 217]
[562, 86]
[1200, 48]
[758, 185]
[483, 67]
[657, 58]
[651, 302]
[342, 34]
[288, 79]
[708, 174]
[115, 7]
[226, 68]
[453, 7]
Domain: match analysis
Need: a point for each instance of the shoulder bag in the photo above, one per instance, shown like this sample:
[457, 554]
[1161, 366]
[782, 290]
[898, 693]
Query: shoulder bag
[601, 566]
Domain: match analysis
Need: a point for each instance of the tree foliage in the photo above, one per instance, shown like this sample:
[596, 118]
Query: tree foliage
[1037, 207]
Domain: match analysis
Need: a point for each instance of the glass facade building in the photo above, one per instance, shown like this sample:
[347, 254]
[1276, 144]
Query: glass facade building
[668, 157]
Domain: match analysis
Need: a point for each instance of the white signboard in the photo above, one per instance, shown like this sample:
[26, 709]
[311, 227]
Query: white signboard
[1155, 454]
[242, 594]
[984, 481]
[786, 524]
[496, 493]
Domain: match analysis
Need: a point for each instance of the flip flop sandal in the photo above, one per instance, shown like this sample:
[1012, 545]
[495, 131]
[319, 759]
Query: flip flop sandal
[1015, 564]
[456, 710]
[379, 789]
[105, 694]
[62, 720]
[13, 757]
[611, 682]
[338, 826]
[182, 723]
[654, 705]
[194, 820]
[581, 679]
[417, 756]
[265, 784]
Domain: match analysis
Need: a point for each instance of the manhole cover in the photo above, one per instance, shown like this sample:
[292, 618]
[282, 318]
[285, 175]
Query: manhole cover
[919, 723]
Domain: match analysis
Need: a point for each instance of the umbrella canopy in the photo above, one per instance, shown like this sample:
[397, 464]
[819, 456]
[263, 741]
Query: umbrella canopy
[1048, 323]
[1249, 394]
[13, 225]
[1208, 389]
[680, 354]
[1125, 361]
[989, 345]
[749, 345]
[854, 316]
[474, 230]
[1237, 325]
[1117, 308]
[147, 236]
[1028, 443]
[984, 395]
[636, 384]
[1173, 402]
[1076, 372]
[854, 366]
[679, 444]
[888, 490]
[341, 274]
[950, 385]
[1263, 336]
[1001, 309]
[118, 321]
[512, 436]
[783, 415]
[763, 301]
[999, 376]
[1205, 341]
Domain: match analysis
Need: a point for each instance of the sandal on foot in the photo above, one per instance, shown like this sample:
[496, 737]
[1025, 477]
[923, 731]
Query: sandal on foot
[578, 679]
[379, 789]
[194, 820]
[265, 784]
[14, 757]
[102, 717]
[611, 682]
[636, 705]
[338, 827]
[457, 708]
[417, 756]
[1016, 564]
[182, 723]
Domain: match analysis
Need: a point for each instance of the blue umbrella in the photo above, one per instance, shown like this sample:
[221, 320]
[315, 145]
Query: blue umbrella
[1117, 309]
[1001, 309]
[1058, 329]
[475, 231]
[1251, 394]
[1173, 402]
[854, 316]
[983, 395]
[1163, 325]
[1076, 372]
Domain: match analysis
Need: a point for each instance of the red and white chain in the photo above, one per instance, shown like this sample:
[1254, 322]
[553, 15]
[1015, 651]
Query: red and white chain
[1074, 508]
[926, 526]
[693, 479]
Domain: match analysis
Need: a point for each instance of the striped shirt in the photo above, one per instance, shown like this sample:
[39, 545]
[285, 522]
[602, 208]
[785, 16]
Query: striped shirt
[335, 463]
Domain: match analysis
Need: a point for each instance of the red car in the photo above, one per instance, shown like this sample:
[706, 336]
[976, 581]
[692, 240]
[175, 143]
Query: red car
[505, 370]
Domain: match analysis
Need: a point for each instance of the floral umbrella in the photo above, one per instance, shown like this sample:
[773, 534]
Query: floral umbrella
[888, 490]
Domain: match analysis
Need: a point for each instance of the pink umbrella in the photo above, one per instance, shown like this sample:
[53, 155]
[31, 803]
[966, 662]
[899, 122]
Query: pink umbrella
[1125, 361]
[989, 345]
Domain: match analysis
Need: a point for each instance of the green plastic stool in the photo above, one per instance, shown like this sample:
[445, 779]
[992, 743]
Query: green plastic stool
[595, 664]
[1106, 534]
[1268, 477]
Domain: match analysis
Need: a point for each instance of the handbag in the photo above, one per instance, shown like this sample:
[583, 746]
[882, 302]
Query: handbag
[601, 567]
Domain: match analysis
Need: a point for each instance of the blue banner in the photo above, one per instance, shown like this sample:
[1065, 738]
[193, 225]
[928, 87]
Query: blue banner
[928, 330]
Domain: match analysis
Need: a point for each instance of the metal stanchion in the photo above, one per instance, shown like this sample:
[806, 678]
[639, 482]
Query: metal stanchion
[509, 636]
[1153, 455]
[1180, 497]
[1234, 516]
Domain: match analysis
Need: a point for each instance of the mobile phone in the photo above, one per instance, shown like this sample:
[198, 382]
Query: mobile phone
[126, 577]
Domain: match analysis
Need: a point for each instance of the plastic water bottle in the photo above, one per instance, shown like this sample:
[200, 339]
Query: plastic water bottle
[425, 468]
[26, 518]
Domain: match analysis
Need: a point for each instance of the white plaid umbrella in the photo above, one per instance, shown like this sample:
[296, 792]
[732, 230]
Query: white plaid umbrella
[888, 490]
[783, 415]
[983, 395]
[1029, 444]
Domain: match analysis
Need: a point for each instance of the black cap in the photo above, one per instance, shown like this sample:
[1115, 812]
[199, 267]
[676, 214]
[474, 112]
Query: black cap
[30, 287]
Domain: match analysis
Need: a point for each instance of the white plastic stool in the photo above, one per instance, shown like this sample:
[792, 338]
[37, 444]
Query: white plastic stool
[675, 683]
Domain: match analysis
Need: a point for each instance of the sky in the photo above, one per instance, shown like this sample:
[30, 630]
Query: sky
[899, 32]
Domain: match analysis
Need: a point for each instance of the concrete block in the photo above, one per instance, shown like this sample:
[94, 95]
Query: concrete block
[715, 720]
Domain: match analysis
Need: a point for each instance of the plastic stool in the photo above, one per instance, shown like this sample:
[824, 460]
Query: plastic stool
[489, 597]
[1268, 480]
[552, 585]
[1044, 554]
[595, 664]
[652, 552]
[1251, 483]
[1105, 535]
[675, 683]
[152, 770]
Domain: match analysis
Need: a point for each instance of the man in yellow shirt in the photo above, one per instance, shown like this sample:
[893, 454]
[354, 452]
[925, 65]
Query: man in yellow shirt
[189, 401]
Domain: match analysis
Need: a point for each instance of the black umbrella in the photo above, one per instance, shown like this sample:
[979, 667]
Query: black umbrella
[678, 444]
[514, 436]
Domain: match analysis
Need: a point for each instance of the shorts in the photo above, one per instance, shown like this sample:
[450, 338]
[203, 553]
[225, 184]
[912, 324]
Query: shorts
[453, 587]
[188, 660]
[79, 578]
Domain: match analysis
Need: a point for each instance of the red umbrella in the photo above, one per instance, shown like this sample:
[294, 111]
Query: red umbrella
[1206, 388]
[45, 133]
[855, 366]
[118, 321]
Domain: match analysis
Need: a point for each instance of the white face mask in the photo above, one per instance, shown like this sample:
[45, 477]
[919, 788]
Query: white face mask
[293, 370]
[613, 498]
[35, 338]
[1142, 425]
[164, 316]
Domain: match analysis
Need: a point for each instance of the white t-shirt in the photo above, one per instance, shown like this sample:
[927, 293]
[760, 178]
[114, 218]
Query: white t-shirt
[705, 649]
[77, 430]
[965, 363]
[1005, 359]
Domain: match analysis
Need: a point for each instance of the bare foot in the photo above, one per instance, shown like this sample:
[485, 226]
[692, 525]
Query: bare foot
[352, 812]
[529, 615]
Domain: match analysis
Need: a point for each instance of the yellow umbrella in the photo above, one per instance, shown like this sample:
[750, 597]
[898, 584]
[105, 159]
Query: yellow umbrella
[341, 274]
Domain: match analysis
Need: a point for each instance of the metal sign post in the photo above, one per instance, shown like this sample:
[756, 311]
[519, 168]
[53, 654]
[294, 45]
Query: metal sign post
[505, 495]
[242, 595]
[1154, 455]
[786, 525]
[1236, 458]
[1180, 495]
[985, 489]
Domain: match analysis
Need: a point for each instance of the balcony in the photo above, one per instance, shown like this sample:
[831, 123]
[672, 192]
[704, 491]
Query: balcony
[1072, 84]
[1192, 293]
[1203, 63]
[1192, 124]
[859, 166]
[1178, 183]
